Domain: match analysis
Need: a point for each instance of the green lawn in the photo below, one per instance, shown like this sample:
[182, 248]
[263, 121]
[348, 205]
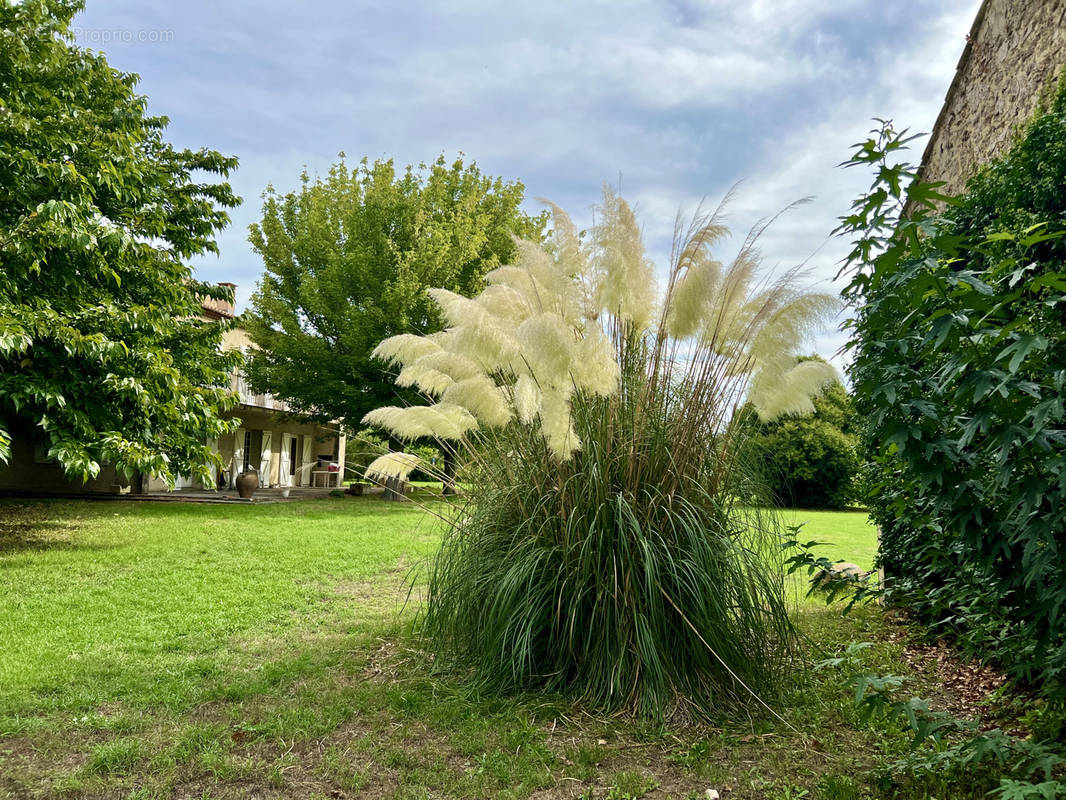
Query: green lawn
[217, 651]
[148, 601]
[850, 536]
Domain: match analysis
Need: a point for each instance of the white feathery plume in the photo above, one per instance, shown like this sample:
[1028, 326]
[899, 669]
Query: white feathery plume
[428, 380]
[404, 349]
[518, 279]
[566, 245]
[506, 303]
[456, 420]
[526, 399]
[793, 322]
[557, 290]
[399, 421]
[439, 421]
[624, 275]
[775, 394]
[535, 335]
[547, 343]
[392, 465]
[557, 425]
[482, 398]
[453, 364]
[435, 372]
[692, 296]
[732, 297]
[455, 308]
[487, 342]
[595, 368]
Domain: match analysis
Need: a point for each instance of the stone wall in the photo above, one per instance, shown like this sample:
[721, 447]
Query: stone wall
[1014, 51]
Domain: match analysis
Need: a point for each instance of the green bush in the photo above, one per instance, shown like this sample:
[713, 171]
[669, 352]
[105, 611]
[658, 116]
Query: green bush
[810, 460]
[959, 373]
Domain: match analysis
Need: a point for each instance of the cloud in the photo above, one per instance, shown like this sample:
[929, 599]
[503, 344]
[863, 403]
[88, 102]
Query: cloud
[910, 86]
[682, 99]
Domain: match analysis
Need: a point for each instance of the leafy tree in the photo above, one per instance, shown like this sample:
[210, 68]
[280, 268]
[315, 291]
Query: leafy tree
[348, 259]
[810, 460]
[101, 352]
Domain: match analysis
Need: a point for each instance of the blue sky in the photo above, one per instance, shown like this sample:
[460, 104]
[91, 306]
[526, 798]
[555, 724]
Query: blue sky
[681, 99]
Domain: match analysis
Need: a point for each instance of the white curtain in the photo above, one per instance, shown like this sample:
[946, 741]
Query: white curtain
[305, 461]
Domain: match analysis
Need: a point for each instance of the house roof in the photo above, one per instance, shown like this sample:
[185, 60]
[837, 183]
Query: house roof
[219, 309]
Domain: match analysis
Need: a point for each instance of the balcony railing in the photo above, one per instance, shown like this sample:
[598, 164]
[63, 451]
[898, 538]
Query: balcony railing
[249, 398]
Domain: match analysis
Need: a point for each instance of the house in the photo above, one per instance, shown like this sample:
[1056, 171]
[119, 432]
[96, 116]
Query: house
[272, 440]
[1014, 52]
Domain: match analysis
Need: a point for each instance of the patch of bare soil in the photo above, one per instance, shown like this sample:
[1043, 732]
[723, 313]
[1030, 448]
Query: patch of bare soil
[961, 687]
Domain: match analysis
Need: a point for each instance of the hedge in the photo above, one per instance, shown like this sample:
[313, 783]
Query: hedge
[958, 368]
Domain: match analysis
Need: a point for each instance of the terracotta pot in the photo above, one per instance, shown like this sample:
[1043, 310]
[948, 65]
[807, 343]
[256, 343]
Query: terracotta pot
[247, 483]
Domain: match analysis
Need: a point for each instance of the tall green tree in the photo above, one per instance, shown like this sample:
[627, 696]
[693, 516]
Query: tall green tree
[347, 260]
[101, 353]
[810, 460]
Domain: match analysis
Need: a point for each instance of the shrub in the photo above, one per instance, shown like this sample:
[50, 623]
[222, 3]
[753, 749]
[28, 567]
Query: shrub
[959, 372]
[810, 460]
[604, 552]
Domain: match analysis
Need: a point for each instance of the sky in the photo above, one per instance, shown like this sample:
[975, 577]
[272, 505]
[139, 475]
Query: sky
[675, 101]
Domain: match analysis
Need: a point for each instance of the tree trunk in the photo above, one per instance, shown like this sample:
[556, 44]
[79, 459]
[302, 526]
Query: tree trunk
[393, 486]
[393, 489]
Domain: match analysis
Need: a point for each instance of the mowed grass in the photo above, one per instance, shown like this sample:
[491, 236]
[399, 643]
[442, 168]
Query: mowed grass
[849, 535]
[146, 601]
[238, 651]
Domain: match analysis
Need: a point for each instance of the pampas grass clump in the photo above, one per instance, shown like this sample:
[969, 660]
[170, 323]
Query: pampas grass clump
[607, 547]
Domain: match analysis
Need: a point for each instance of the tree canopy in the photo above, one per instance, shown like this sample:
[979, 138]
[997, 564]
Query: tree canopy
[347, 260]
[102, 354]
[810, 460]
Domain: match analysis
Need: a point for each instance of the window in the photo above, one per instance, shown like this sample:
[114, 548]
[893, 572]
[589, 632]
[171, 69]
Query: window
[247, 450]
[292, 455]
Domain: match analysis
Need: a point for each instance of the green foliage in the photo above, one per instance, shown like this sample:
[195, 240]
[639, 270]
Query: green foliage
[102, 357]
[959, 371]
[943, 752]
[857, 587]
[347, 261]
[942, 745]
[810, 460]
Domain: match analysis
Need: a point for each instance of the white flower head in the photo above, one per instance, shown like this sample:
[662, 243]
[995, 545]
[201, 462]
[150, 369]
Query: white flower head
[392, 465]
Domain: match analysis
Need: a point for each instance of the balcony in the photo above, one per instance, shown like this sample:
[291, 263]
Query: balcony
[249, 398]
